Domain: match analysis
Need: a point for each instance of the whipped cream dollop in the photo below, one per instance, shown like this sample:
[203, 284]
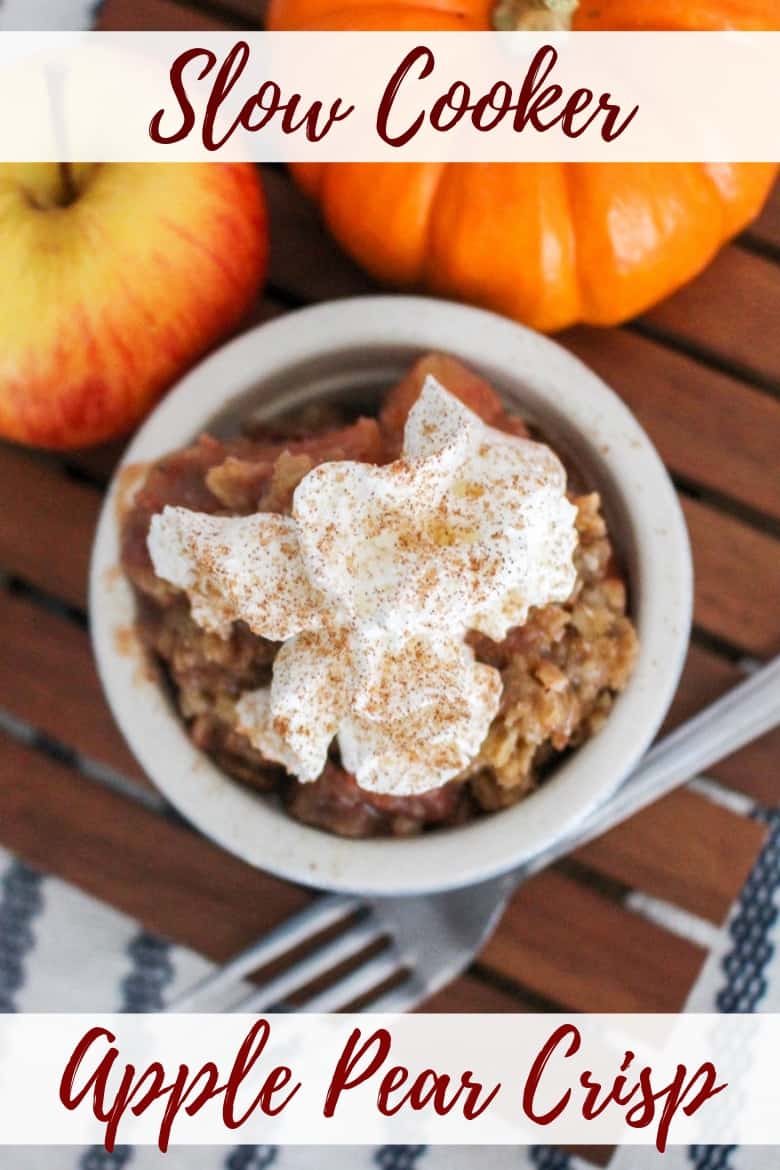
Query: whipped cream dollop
[373, 583]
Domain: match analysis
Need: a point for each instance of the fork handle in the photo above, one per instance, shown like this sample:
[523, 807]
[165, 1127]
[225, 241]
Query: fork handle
[742, 715]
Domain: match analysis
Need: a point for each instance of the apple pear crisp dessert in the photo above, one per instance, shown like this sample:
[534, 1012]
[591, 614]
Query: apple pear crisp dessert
[391, 622]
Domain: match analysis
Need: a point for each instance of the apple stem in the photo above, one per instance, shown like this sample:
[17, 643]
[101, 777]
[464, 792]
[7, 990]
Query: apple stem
[69, 188]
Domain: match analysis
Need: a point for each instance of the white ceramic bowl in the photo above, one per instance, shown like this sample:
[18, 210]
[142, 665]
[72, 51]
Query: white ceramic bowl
[367, 343]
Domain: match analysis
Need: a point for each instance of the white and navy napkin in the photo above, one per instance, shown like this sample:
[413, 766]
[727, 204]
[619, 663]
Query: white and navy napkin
[61, 950]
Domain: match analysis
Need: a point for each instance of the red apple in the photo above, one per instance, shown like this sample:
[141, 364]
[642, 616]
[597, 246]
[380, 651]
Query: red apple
[115, 278]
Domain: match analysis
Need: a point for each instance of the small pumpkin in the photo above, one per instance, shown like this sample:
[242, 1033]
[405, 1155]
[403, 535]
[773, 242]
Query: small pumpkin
[548, 244]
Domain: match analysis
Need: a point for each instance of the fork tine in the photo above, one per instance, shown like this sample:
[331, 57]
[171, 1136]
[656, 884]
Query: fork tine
[320, 916]
[355, 984]
[405, 997]
[311, 967]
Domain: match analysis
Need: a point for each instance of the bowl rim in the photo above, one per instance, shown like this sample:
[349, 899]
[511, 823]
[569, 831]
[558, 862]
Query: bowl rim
[266, 836]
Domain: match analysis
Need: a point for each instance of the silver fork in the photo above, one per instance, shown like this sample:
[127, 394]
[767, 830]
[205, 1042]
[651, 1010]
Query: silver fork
[429, 940]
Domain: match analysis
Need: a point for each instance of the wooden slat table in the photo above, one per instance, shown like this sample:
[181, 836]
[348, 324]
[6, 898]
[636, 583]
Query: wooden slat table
[702, 372]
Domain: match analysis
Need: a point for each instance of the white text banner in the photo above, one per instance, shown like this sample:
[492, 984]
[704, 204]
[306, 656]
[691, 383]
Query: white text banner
[377, 97]
[170, 1080]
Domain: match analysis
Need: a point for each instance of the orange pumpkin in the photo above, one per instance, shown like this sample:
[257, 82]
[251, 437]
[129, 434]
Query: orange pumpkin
[548, 244]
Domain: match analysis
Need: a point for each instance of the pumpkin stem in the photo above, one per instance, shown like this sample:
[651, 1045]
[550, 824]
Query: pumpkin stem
[534, 15]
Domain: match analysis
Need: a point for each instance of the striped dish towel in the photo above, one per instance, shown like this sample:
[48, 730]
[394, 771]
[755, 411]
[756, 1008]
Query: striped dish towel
[61, 950]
